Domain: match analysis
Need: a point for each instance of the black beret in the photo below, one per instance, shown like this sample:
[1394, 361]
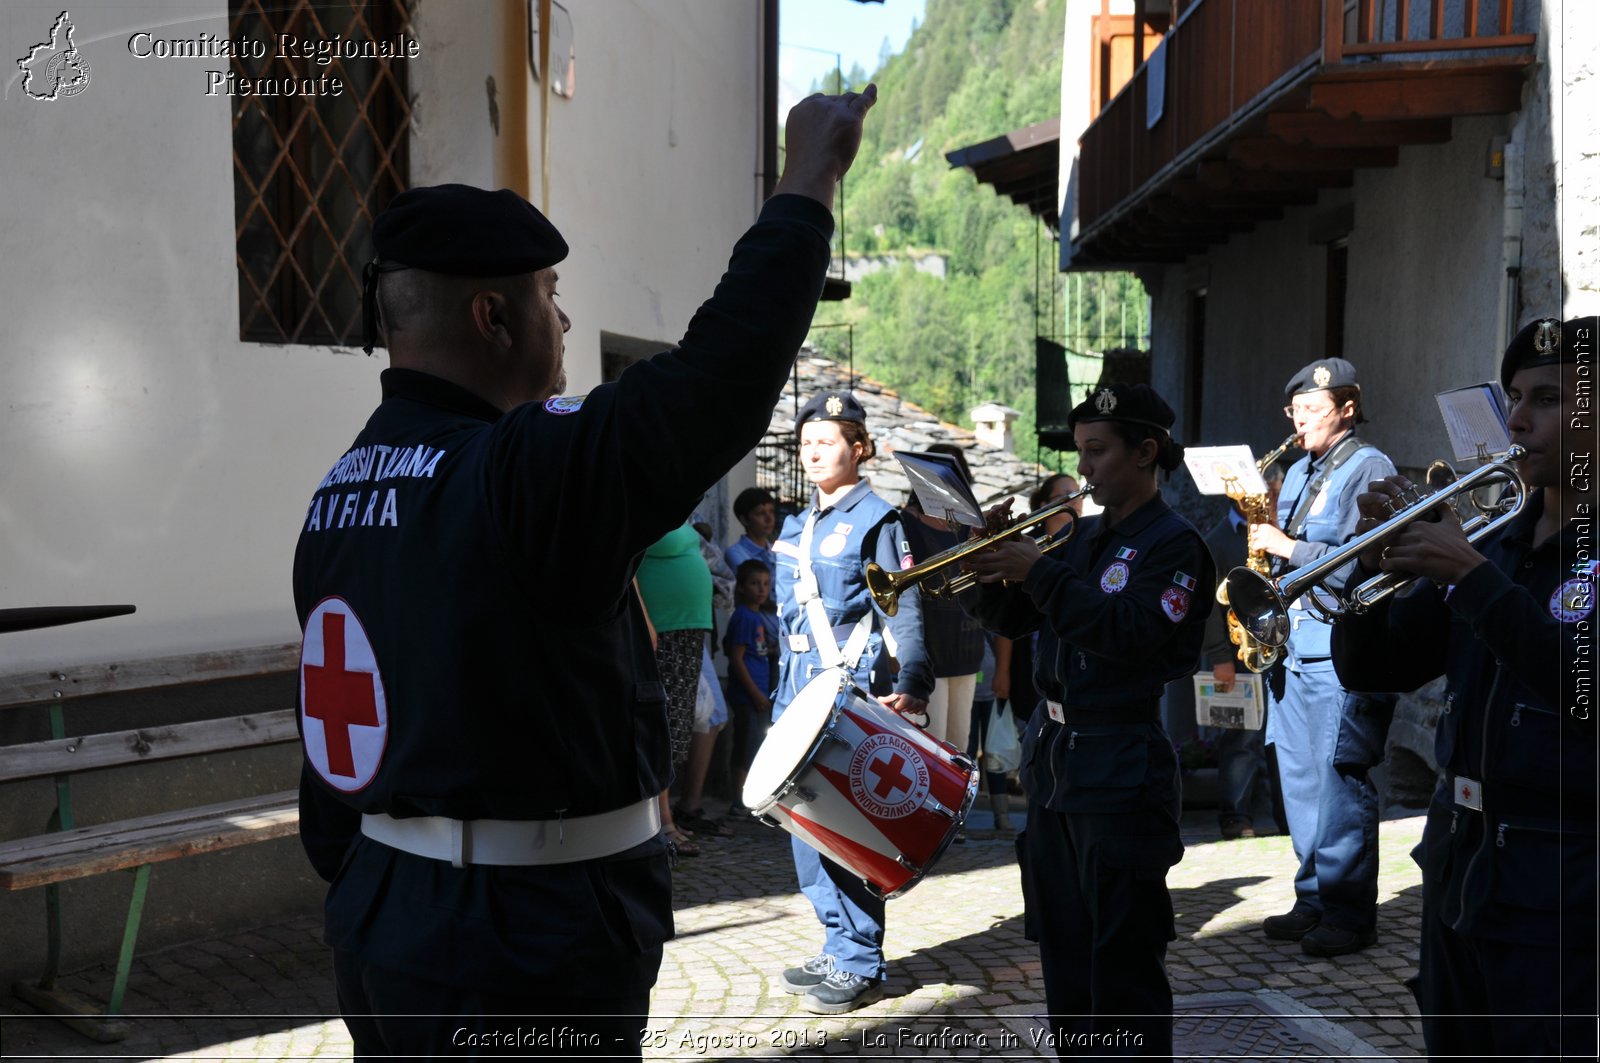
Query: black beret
[468, 231]
[461, 230]
[1546, 342]
[831, 406]
[1321, 375]
[1135, 403]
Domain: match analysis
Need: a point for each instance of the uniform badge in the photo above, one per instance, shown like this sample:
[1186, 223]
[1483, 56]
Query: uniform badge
[1114, 578]
[835, 405]
[561, 405]
[1322, 375]
[1573, 600]
[832, 545]
[1126, 554]
[1175, 603]
[1184, 580]
[1547, 337]
[888, 777]
[1105, 400]
[344, 716]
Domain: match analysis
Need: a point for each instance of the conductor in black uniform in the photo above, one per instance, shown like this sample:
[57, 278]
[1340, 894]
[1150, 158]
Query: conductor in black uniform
[1508, 964]
[1121, 612]
[484, 729]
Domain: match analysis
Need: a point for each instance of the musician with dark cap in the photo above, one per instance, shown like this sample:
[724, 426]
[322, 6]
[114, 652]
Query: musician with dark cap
[1508, 958]
[1120, 610]
[1325, 739]
[828, 620]
[484, 729]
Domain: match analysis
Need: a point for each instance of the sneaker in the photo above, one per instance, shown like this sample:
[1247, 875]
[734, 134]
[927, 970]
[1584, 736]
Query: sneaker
[1236, 826]
[808, 975]
[1291, 926]
[1329, 940]
[840, 992]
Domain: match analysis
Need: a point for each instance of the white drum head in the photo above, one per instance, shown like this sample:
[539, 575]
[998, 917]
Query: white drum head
[791, 738]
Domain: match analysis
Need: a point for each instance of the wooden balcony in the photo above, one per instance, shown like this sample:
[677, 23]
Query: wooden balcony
[1262, 103]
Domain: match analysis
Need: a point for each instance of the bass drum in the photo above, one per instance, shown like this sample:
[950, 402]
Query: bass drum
[860, 784]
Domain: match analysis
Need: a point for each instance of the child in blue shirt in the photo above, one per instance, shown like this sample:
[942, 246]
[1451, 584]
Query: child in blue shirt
[747, 643]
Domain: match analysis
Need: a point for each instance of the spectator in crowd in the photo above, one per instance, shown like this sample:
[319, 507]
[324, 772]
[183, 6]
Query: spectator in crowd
[750, 676]
[675, 586]
[756, 510]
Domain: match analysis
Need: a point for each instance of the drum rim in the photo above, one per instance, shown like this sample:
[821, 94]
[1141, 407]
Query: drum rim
[974, 776]
[824, 734]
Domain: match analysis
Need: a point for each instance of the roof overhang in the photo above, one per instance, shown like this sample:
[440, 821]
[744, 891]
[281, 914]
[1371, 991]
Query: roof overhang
[1023, 165]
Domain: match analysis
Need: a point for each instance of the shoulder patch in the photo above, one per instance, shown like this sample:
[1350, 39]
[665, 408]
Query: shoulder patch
[561, 405]
[1573, 600]
[1175, 603]
[1115, 577]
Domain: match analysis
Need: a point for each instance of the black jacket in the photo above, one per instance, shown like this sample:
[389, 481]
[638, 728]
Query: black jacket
[1518, 727]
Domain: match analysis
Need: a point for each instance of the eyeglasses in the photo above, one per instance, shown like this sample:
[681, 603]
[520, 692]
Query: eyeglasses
[1316, 414]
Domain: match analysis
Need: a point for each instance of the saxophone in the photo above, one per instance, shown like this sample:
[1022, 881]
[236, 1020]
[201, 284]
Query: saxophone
[1256, 509]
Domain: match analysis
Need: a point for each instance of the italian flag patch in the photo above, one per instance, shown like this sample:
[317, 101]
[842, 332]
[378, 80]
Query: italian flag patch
[1184, 580]
[1126, 554]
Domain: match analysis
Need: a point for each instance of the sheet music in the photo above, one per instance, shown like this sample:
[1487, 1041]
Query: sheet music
[1212, 468]
[1474, 419]
[937, 481]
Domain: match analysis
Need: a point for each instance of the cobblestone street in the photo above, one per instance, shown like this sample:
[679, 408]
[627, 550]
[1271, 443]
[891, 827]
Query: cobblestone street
[963, 980]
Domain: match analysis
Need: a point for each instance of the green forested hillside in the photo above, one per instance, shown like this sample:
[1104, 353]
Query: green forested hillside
[972, 70]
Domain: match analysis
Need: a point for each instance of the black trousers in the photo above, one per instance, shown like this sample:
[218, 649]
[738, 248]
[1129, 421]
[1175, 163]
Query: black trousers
[392, 1014]
[1481, 998]
[1095, 886]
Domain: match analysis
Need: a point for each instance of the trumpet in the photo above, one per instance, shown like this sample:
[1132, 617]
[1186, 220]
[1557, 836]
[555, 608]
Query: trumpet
[886, 587]
[1262, 604]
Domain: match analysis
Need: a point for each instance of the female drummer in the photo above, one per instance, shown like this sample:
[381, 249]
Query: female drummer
[827, 619]
[1121, 612]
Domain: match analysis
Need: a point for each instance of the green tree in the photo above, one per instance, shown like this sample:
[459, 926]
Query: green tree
[971, 70]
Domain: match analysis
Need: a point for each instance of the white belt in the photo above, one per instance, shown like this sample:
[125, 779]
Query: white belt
[518, 842]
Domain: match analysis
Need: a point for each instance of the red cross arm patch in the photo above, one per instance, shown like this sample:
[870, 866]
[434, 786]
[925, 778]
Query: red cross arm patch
[344, 718]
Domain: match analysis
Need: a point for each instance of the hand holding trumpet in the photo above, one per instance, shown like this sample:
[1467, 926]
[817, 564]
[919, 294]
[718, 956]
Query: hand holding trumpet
[1008, 560]
[1435, 548]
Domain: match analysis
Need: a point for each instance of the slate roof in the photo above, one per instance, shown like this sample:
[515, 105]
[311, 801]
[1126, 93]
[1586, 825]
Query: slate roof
[897, 424]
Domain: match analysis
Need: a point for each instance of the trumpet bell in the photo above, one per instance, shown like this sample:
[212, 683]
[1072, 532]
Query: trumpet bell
[1261, 610]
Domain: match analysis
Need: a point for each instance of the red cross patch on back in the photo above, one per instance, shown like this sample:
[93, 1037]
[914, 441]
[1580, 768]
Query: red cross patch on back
[344, 717]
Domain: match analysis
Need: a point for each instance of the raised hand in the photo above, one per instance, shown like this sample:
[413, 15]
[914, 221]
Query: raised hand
[822, 136]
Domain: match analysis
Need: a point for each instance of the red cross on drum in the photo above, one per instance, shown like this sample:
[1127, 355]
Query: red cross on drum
[888, 777]
[344, 717]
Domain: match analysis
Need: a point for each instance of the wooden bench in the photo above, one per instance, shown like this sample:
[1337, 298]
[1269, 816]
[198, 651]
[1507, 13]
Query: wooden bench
[66, 851]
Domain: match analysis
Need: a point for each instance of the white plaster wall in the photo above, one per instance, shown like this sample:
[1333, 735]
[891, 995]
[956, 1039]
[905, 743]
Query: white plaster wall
[151, 457]
[1425, 286]
[1424, 281]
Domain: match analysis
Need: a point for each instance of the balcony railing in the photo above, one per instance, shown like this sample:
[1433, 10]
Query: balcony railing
[1225, 59]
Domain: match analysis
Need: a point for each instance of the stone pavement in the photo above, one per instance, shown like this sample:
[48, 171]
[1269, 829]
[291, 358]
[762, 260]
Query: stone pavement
[963, 980]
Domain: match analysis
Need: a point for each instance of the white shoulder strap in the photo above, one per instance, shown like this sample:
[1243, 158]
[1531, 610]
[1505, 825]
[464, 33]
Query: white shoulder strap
[810, 599]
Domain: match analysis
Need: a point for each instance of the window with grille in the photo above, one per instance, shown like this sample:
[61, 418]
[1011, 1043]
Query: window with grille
[310, 172]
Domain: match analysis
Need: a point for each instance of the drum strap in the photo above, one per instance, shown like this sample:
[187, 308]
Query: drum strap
[810, 599]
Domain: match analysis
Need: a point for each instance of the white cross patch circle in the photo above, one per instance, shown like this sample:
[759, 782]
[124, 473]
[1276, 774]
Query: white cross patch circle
[344, 716]
[888, 777]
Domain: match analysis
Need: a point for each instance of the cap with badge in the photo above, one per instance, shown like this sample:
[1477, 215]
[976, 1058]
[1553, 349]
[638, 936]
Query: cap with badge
[459, 230]
[1138, 403]
[1546, 342]
[1324, 374]
[831, 406]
